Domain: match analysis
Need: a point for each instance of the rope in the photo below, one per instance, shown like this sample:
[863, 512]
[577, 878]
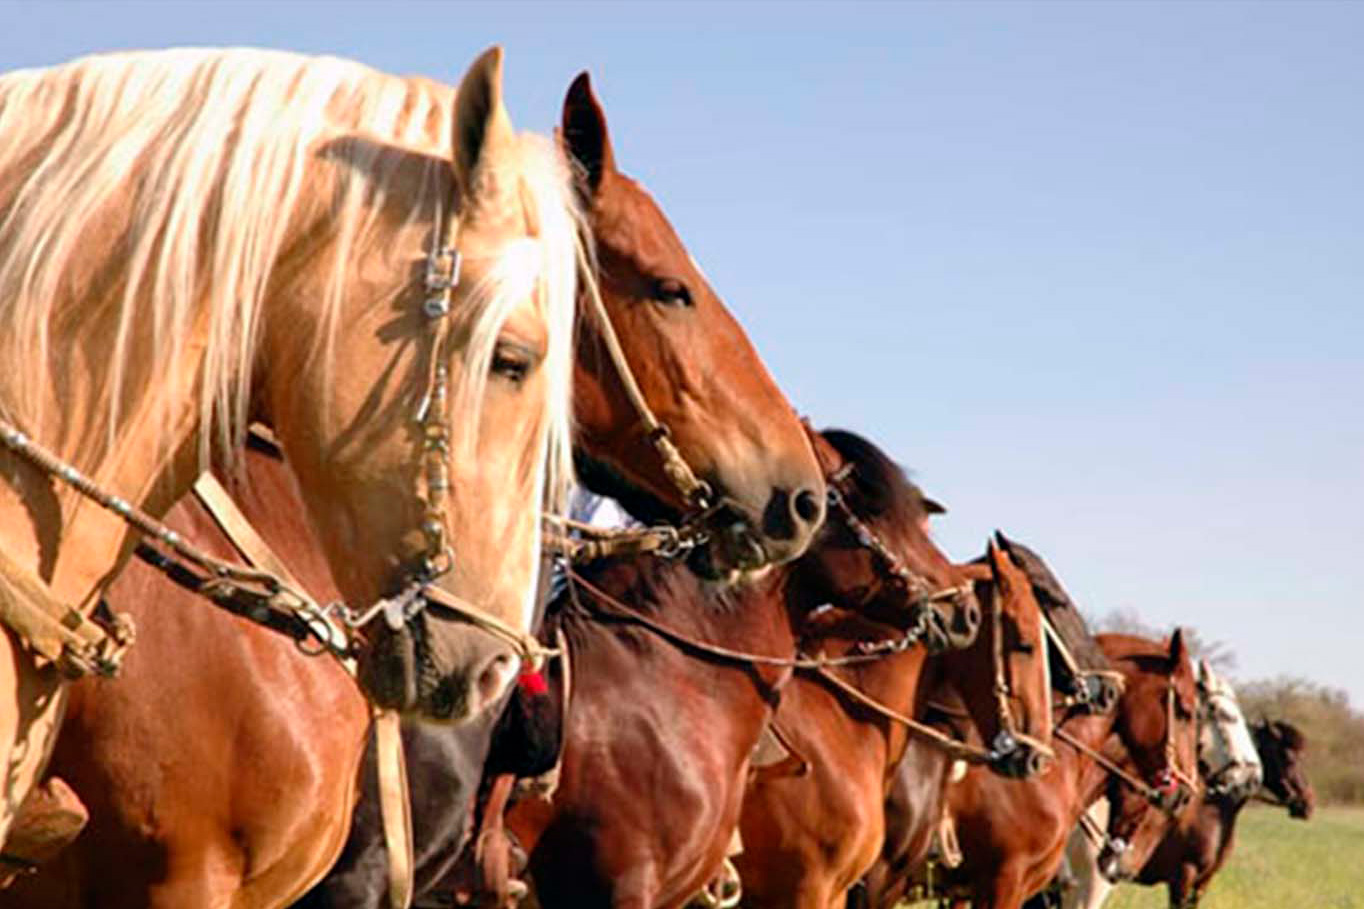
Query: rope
[1146, 791]
[962, 750]
[620, 611]
[695, 491]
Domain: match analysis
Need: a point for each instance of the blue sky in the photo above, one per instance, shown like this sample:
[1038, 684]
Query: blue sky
[1094, 271]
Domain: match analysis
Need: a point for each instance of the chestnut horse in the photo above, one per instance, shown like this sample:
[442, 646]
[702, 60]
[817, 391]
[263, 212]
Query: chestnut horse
[209, 836]
[1230, 770]
[1184, 853]
[809, 837]
[1012, 833]
[651, 783]
[191, 240]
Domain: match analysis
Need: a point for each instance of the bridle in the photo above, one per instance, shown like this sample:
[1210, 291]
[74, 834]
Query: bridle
[89, 646]
[1172, 783]
[927, 621]
[579, 542]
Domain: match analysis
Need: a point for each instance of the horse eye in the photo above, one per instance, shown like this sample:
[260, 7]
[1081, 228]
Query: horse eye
[1026, 647]
[511, 362]
[671, 292]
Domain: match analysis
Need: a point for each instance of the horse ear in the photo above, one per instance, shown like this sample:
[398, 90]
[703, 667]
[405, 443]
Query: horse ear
[1179, 651]
[933, 506]
[1204, 673]
[585, 134]
[481, 123]
[1000, 565]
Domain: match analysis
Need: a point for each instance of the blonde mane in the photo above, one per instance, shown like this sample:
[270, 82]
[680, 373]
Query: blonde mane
[158, 190]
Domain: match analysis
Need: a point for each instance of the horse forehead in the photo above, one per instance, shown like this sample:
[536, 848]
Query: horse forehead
[628, 221]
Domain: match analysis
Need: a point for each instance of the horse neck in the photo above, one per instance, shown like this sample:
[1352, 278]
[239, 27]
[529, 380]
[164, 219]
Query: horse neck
[1086, 774]
[751, 618]
[894, 680]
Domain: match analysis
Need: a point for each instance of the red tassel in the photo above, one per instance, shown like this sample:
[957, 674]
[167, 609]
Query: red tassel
[532, 683]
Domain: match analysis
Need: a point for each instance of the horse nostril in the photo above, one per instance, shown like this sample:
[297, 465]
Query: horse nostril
[808, 506]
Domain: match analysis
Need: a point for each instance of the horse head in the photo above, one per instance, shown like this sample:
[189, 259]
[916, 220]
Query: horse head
[1227, 760]
[1281, 746]
[874, 555]
[434, 428]
[1156, 740]
[697, 371]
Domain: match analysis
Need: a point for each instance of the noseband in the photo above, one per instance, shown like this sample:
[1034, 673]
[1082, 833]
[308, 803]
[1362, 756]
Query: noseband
[1170, 781]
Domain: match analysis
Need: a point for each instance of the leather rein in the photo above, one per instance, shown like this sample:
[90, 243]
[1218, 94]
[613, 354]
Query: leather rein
[927, 621]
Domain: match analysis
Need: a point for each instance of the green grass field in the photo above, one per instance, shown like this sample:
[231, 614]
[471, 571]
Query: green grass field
[1280, 863]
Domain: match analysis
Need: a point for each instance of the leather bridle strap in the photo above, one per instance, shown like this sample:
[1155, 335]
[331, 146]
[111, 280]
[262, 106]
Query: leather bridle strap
[962, 750]
[695, 491]
[395, 807]
[610, 607]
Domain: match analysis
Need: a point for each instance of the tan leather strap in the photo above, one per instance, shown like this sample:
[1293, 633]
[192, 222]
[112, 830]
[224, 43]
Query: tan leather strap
[394, 806]
[54, 630]
[238, 529]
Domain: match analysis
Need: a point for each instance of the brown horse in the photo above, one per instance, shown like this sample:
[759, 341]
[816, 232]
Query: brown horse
[1193, 846]
[216, 784]
[1013, 833]
[651, 783]
[809, 837]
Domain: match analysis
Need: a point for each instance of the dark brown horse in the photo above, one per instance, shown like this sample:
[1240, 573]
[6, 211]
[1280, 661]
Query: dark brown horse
[659, 732]
[809, 837]
[221, 768]
[1012, 833]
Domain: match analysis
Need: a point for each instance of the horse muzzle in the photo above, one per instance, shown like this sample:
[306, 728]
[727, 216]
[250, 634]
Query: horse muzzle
[951, 623]
[1110, 860]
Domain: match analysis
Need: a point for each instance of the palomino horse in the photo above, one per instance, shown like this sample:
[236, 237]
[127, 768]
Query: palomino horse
[220, 836]
[650, 786]
[1187, 847]
[195, 239]
[1012, 833]
[808, 837]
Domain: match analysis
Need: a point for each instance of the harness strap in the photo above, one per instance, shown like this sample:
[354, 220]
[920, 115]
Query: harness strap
[1097, 837]
[395, 809]
[961, 750]
[66, 636]
[1145, 790]
[614, 608]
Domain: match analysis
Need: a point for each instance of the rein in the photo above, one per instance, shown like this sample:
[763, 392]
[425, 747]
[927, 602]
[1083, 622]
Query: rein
[820, 665]
[1152, 794]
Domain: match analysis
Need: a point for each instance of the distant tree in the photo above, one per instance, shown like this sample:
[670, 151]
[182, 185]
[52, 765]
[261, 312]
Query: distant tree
[1126, 621]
